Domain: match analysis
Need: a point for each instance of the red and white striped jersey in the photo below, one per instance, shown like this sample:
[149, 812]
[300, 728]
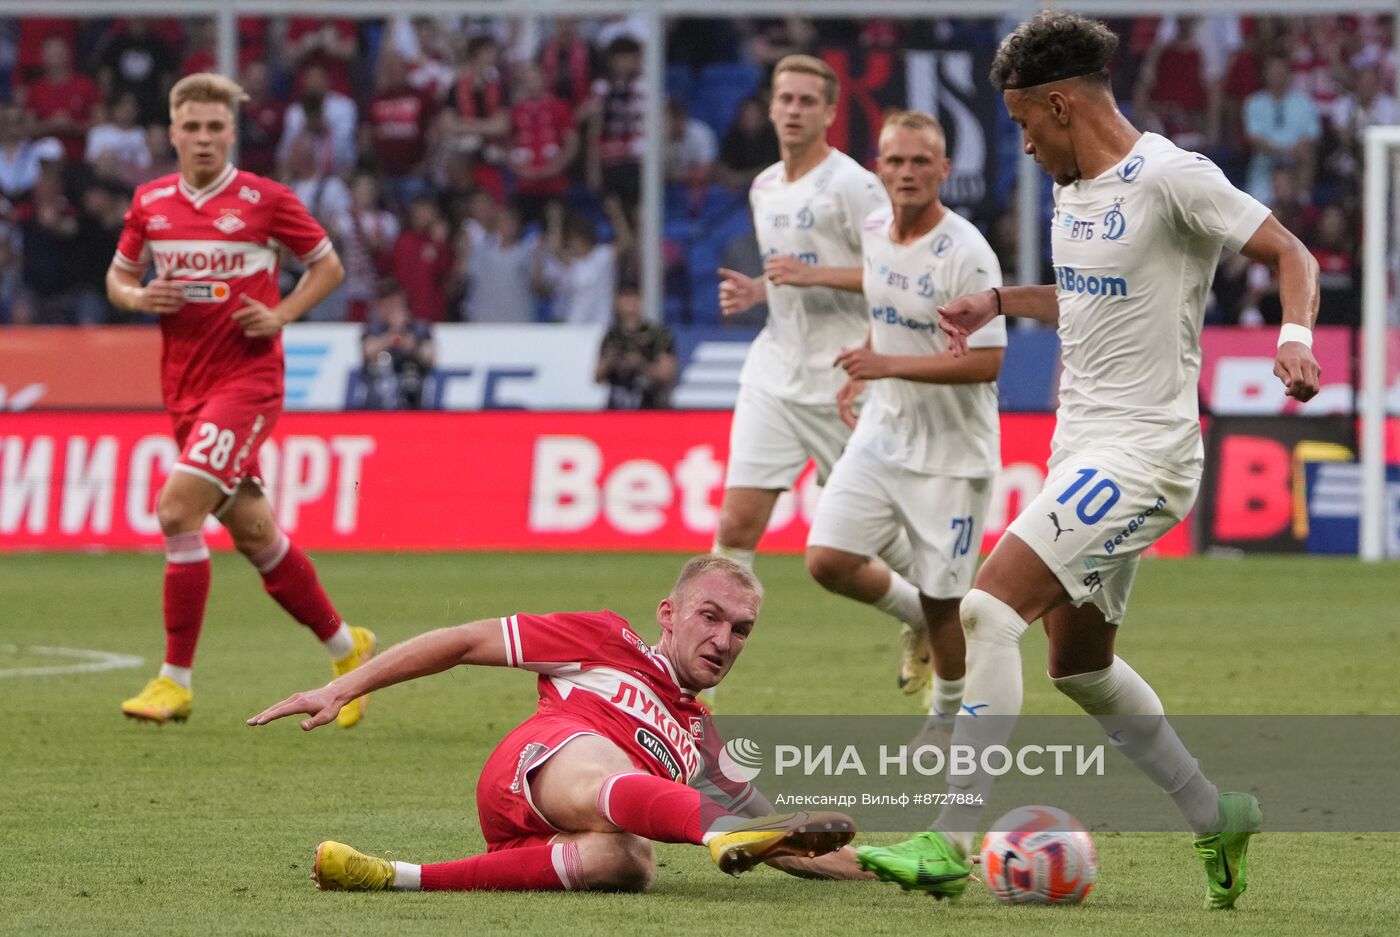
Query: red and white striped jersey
[221, 243]
[594, 668]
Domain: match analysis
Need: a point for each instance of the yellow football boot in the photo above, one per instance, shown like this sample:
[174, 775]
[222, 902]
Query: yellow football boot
[788, 834]
[354, 711]
[338, 867]
[162, 699]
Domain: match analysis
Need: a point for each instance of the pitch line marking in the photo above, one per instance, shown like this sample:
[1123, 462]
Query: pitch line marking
[91, 661]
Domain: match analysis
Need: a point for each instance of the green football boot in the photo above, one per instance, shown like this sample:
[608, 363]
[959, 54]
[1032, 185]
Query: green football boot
[928, 862]
[1224, 852]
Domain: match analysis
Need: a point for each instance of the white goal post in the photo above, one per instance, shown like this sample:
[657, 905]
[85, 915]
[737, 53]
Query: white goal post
[1381, 146]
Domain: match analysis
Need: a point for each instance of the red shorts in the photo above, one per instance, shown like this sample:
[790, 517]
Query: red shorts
[508, 816]
[220, 440]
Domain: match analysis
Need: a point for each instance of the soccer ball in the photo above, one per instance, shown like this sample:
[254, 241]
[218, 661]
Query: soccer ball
[1039, 855]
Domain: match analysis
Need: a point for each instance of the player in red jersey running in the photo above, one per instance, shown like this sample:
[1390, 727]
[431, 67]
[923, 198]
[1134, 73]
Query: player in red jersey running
[619, 752]
[213, 234]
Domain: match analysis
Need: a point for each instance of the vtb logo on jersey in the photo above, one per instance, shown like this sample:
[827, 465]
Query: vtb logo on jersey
[1114, 224]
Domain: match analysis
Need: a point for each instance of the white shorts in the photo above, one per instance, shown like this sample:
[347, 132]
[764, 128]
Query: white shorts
[867, 501]
[1096, 514]
[771, 439]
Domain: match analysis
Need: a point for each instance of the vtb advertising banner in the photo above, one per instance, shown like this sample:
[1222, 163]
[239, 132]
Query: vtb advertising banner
[438, 481]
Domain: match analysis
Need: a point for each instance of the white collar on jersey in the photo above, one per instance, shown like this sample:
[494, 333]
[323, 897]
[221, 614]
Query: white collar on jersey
[658, 658]
[198, 197]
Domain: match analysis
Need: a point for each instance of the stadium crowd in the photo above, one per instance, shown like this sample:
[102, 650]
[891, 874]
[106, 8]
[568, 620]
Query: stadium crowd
[491, 167]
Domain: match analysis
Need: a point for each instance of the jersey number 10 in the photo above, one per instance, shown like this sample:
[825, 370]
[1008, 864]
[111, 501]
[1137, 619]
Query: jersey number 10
[1088, 511]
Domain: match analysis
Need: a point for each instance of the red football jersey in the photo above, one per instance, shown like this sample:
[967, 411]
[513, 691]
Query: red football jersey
[221, 242]
[596, 669]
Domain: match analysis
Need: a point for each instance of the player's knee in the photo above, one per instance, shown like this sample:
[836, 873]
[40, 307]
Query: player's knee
[831, 568]
[177, 514]
[619, 862]
[987, 618]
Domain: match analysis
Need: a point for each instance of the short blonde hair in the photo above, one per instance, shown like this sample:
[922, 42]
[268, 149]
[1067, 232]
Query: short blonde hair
[207, 88]
[914, 120]
[810, 65]
[698, 566]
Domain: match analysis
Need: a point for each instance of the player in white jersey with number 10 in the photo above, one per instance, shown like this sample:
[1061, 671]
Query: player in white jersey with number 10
[807, 214]
[927, 443]
[1137, 233]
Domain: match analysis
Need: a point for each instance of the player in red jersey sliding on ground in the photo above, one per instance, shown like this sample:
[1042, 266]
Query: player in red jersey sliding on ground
[618, 754]
[213, 234]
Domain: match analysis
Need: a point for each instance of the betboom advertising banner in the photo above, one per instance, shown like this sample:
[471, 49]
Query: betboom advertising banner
[438, 481]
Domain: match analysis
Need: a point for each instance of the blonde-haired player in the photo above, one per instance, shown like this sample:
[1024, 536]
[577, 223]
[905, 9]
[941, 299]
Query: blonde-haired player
[927, 444]
[213, 235]
[807, 212]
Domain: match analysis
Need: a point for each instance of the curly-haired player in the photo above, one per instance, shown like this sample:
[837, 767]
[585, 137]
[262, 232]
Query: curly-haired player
[1137, 232]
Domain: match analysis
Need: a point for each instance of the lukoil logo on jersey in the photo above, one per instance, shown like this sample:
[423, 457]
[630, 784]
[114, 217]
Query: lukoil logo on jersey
[219, 259]
[1072, 281]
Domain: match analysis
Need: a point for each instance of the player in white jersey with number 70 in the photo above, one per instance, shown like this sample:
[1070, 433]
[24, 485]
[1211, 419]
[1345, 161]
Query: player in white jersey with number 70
[927, 444]
[807, 213]
[1137, 233]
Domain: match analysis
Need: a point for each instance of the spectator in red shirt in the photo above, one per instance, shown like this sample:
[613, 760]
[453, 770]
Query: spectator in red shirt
[312, 40]
[34, 31]
[63, 101]
[476, 120]
[1172, 88]
[422, 261]
[260, 122]
[542, 146]
[567, 60]
[396, 126]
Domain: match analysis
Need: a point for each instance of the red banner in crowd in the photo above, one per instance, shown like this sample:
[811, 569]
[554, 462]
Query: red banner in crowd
[438, 481]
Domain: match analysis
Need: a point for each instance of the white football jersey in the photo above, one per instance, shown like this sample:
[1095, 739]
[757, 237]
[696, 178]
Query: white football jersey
[1135, 250]
[817, 220]
[943, 429]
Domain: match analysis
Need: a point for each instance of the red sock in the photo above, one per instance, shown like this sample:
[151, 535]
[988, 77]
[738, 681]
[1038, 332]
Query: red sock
[186, 590]
[529, 868]
[657, 809]
[290, 579]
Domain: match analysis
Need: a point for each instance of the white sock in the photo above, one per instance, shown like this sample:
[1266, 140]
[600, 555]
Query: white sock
[947, 697]
[341, 643]
[181, 675]
[902, 601]
[1132, 715]
[407, 877]
[743, 557]
[993, 701]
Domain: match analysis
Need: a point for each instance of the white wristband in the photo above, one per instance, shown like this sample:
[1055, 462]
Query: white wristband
[1293, 332]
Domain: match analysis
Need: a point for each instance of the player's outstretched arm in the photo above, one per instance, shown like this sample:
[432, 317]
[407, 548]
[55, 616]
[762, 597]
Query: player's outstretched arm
[1277, 248]
[789, 271]
[739, 292]
[968, 313]
[161, 297]
[478, 642]
[975, 366]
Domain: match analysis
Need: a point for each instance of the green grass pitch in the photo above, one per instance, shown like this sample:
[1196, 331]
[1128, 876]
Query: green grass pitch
[207, 828]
